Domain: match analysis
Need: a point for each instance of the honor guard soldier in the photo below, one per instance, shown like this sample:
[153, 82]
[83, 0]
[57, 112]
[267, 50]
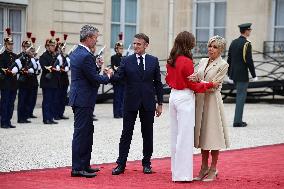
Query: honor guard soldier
[25, 81]
[8, 81]
[118, 86]
[240, 61]
[64, 62]
[34, 82]
[49, 80]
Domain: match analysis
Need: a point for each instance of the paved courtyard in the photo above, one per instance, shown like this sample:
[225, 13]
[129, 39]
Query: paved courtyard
[35, 145]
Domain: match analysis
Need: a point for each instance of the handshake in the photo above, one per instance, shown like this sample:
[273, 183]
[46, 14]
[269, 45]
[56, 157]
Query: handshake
[109, 72]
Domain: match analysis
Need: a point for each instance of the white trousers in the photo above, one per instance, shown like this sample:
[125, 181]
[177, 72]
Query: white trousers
[182, 121]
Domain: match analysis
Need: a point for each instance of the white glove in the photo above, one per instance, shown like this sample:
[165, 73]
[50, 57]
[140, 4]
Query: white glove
[19, 63]
[14, 70]
[34, 63]
[57, 68]
[59, 58]
[66, 69]
[68, 61]
[38, 65]
[30, 70]
[255, 79]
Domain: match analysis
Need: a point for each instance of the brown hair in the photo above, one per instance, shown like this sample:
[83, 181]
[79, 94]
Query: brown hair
[184, 43]
[142, 36]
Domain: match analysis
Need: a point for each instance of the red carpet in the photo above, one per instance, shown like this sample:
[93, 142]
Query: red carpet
[261, 167]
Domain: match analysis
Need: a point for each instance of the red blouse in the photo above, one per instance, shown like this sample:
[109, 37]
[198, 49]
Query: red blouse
[177, 76]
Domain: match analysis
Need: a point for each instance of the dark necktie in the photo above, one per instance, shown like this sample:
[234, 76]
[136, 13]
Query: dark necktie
[141, 64]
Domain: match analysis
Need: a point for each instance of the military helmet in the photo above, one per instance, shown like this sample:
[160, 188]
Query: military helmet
[8, 39]
[119, 42]
[51, 41]
[27, 42]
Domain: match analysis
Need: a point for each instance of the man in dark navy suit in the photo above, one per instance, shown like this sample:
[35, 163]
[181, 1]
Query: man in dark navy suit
[84, 81]
[141, 74]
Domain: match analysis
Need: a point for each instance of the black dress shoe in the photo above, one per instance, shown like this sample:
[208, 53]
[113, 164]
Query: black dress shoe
[82, 174]
[12, 126]
[5, 126]
[33, 116]
[47, 122]
[239, 125]
[95, 119]
[147, 169]
[92, 170]
[53, 122]
[64, 117]
[57, 118]
[244, 123]
[24, 121]
[118, 170]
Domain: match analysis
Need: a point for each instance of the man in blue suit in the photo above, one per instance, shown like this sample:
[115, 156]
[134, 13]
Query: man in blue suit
[84, 81]
[141, 74]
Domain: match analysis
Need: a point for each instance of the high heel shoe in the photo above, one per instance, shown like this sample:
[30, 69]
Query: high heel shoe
[212, 175]
[202, 173]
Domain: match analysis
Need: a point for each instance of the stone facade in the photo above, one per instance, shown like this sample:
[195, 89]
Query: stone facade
[154, 19]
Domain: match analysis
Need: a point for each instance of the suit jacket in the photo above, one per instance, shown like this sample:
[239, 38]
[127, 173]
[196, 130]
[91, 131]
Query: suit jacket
[240, 60]
[84, 78]
[140, 89]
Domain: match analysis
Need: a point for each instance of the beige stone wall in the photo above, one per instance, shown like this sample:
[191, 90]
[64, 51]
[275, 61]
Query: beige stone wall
[153, 21]
[258, 12]
[182, 16]
[64, 16]
[67, 16]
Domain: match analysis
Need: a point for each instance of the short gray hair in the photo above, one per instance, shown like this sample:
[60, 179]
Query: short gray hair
[87, 31]
[220, 41]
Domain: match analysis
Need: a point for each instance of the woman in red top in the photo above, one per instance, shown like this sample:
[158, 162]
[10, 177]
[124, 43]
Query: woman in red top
[182, 105]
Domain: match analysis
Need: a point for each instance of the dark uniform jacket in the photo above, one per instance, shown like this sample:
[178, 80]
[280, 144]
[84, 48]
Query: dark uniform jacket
[63, 76]
[25, 79]
[64, 80]
[7, 59]
[47, 59]
[240, 60]
[115, 63]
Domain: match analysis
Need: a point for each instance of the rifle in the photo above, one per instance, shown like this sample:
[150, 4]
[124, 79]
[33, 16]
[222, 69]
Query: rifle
[1, 50]
[128, 50]
[101, 52]
[36, 51]
[72, 49]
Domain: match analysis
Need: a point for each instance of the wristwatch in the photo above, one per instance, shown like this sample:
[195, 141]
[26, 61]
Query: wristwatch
[160, 104]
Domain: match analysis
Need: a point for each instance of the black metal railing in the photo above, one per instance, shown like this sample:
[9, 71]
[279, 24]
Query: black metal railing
[200, 50]
[274, 48]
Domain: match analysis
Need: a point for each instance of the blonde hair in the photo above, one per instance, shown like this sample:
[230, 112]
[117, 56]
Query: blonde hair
[220, 41]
